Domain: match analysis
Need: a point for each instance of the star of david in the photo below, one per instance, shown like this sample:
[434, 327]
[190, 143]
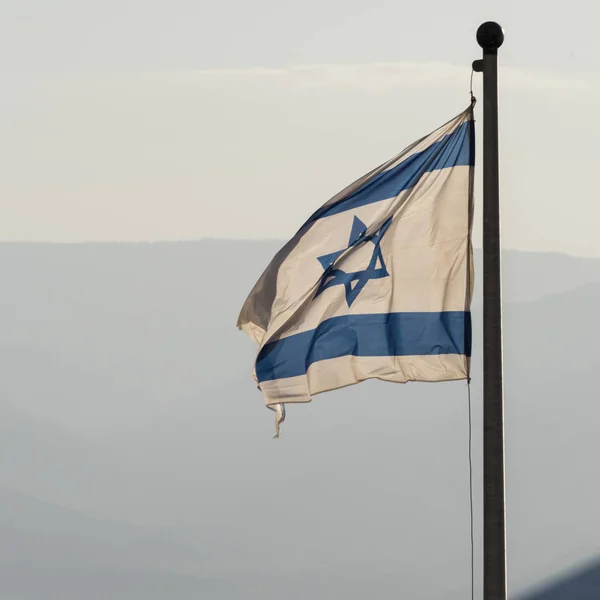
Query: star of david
[354, 281]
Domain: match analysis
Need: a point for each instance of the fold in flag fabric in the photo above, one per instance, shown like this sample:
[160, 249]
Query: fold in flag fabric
[377, 283]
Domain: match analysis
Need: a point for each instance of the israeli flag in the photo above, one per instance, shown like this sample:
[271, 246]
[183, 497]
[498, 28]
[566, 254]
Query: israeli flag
[377, 283]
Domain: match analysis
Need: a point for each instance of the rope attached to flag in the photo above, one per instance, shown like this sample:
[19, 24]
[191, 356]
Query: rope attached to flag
[279, 410]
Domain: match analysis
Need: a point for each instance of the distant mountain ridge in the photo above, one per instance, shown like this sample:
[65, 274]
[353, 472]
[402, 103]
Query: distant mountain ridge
[128, 413]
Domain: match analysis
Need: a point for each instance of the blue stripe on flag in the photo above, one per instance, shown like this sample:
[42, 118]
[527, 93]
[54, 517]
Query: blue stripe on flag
[390, 334]
[453, 150]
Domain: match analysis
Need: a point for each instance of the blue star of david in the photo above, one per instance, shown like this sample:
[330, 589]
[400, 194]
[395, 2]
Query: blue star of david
[354, 281]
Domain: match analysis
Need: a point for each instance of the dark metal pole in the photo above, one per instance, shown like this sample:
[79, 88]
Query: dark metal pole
[490, 37]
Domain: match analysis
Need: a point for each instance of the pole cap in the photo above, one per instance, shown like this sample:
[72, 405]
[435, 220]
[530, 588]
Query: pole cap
[490, 36]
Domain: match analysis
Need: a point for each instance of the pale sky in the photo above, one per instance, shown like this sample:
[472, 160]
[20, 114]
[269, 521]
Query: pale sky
[131, 120]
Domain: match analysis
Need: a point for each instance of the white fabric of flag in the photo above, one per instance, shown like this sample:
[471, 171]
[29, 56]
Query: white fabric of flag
[377, 283]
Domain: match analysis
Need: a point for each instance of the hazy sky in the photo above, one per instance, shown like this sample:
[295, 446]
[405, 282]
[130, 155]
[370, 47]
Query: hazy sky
[154, 120]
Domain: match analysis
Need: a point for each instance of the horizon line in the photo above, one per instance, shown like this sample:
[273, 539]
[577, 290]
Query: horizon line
[229, 240]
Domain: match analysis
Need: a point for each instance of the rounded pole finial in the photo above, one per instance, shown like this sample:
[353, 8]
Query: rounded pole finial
[490, 36]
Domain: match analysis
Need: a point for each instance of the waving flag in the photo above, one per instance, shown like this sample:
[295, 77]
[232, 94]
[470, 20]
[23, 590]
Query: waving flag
[377, 282]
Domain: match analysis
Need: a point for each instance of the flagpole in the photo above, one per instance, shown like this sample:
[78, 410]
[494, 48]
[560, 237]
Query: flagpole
[490, 37]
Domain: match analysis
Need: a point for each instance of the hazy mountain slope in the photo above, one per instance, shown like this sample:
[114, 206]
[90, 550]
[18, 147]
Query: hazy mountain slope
[33, 530]
[577, 584]
[49, 551]
[126, 393]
